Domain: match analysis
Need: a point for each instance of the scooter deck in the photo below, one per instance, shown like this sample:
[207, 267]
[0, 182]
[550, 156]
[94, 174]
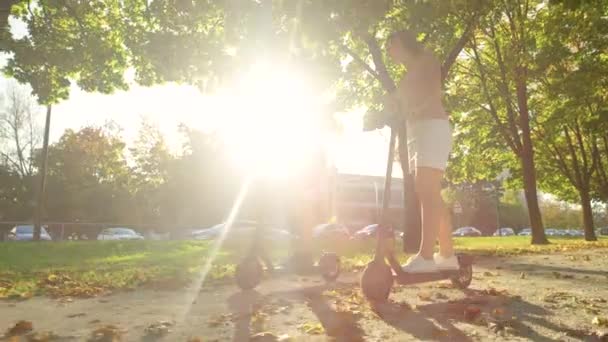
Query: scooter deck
[404, 278]
[415, 278]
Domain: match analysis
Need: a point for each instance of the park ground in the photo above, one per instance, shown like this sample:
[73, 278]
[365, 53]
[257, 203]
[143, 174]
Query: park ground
[147, 291]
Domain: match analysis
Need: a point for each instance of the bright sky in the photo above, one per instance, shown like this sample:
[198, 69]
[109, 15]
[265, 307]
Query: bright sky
[169, 105]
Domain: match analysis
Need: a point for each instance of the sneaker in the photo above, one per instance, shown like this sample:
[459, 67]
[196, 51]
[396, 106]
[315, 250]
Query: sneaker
[446, 264]
[418, 264]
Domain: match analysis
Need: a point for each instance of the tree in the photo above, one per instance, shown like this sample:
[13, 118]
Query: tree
[150, 172]
[498, 71]
[88, 176]
[66, 40]
[19, 133]
[573, 98]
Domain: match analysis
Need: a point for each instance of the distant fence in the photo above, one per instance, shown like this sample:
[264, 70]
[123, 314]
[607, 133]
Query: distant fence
[60, 231]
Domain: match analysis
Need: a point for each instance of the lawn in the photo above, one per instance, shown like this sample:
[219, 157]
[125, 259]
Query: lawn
[89, 268]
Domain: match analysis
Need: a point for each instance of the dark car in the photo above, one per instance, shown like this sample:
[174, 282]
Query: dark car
[26, 233]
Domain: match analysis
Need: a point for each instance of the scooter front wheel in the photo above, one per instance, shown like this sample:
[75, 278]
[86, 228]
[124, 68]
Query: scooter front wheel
[329, 266]
[249, 273]
[464, 277]
[377, 281]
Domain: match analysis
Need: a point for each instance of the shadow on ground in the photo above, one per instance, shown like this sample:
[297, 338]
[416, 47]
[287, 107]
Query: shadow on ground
[440, 321]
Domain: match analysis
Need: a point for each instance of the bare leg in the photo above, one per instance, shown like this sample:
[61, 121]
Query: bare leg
[428, 188]
[446, 245]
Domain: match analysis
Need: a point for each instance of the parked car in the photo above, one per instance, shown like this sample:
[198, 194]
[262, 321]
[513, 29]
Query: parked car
[551, 232]
[119, 233]
[370, 231]
[466, 231]
[241, 229]
[525, 232]
[26, 233]
[575, 232]
[603, 231]
[504, 232]
[331, 231]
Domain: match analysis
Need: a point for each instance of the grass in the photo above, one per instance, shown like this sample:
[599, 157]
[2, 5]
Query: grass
[89, 268]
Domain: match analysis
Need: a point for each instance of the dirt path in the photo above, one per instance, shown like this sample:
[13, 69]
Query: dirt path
[539, 297]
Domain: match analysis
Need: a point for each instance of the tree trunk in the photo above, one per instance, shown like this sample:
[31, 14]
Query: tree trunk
[42, 174]
[587, 215]
[527, 163]
[536, 222]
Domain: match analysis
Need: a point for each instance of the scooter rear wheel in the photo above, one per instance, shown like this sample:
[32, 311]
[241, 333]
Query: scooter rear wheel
[329, 266]
[464, 277]
[377, 281]
[249, 273]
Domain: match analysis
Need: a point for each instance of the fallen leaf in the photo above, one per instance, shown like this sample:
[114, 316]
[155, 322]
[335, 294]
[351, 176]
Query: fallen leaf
[586, 258]
[494, 292]
[43, 337]
[20, 328]
[440, 295]
[471, 312]
[268, 337]
[489, 274]
[312, 328]
[425, 296]
[80, 314]
[522, 275]
[440, 332]
[496, 327]
[107, 333]
[159, 328]
[499, 312]
[601, 321]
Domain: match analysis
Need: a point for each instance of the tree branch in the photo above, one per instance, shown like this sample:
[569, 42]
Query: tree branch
[385, 79]
[360, 61]
[493, 112]
[460, 44]
[575, 163]
[587, 170]
[504, 88]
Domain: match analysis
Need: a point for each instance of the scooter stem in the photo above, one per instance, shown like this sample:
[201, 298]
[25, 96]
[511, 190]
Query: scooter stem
[386, 198]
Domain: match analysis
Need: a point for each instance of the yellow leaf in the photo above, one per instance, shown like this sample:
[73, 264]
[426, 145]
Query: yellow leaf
[601, 321]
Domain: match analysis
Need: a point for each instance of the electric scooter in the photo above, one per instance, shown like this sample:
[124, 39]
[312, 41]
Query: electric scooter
[378, 277]
[250, 272]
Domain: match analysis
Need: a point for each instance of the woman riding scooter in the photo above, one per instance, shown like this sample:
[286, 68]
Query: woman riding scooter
[418, 97]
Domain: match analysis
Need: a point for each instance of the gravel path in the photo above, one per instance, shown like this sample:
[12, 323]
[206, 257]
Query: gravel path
[535, 297]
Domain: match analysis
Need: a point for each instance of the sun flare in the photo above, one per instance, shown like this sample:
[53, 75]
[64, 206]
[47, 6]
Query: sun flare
[272, 121]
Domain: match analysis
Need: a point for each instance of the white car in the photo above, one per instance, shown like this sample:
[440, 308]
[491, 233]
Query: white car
[551, 232]
[525, 232]
[119, 233]
[504, 232]
[466, 231]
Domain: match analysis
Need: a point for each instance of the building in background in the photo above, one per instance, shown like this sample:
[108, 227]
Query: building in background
[356, 200]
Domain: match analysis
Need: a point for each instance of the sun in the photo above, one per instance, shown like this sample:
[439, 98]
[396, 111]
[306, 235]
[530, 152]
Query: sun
[273, 121]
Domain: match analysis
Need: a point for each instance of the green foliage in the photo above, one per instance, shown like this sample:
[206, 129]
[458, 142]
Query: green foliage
[67, 40]
[150, 173]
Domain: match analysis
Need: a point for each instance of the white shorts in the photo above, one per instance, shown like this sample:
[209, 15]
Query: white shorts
[429, 143]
